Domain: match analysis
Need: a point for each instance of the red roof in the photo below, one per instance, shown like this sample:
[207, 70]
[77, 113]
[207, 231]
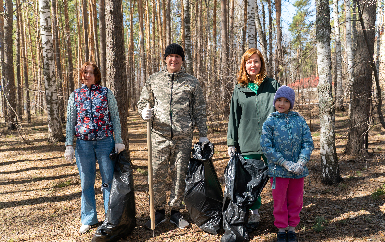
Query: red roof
[307, 82]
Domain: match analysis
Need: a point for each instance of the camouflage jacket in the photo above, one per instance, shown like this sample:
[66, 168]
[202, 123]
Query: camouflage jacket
[178, 102]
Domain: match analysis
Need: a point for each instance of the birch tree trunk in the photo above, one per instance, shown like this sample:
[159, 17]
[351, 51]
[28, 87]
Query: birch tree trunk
[362, 86]
[8, 74]
[251, 5]
[54, 122]
[349, 48]
[329, 161]
[102, 33]
[338, 68]
[187, 24]
[262, 38]
[270, 52]
[116, 61]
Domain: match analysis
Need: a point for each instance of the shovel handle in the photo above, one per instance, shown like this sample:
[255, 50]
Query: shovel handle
[150, 175]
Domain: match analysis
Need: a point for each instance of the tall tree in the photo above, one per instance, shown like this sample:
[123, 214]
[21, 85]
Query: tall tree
[349, 48]
[187, 24]
[329, 161]
[19, 106]
[262, 37]
[226, 85]
[339, 97]
[251, 5]
[8, 74]
[54, 122]
[85, 30]
[25, 70]
[362, 85]
[116, 60]
[278, 51]
[102, 33]
[71, 85]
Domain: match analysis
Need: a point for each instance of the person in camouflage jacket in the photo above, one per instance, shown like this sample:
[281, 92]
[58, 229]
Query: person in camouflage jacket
[177, 106]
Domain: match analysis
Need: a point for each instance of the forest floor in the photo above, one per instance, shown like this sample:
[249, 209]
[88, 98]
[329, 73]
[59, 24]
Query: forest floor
[40, 190]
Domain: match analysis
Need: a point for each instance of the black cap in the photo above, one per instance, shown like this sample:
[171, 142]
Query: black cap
[174, 49]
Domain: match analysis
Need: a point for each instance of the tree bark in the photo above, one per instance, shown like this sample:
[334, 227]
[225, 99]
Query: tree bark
[187, 58]
[339, 97]
[85, 30]
[116, 61]
[278, 51]
[19, 105]
[25, 71]
[251, 9]
[54, 122]
[329, 161]
[71, 86]
[102, 33]
[362, 86]
[8, 74]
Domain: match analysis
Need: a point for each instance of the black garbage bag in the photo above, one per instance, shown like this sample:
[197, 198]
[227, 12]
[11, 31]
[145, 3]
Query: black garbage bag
[120, 219]
[203, 192]
[245, 180]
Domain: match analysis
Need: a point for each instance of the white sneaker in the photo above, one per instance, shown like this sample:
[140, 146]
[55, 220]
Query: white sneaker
[84, 228]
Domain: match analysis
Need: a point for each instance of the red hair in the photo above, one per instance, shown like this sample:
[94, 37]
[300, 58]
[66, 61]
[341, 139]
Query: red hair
[243, 77]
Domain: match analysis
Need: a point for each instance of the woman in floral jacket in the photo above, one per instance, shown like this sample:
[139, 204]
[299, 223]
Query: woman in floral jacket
[92, 115]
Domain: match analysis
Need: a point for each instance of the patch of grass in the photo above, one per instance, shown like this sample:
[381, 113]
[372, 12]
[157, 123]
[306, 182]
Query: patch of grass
[359, 173]
[319, 224]
[142, 172]
[379, 193]
[315, 134]
[63, 184]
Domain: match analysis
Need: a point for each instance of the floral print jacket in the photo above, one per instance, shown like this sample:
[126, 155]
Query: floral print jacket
[286, 137]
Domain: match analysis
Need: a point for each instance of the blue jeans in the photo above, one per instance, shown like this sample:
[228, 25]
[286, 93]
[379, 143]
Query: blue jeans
[87, 152]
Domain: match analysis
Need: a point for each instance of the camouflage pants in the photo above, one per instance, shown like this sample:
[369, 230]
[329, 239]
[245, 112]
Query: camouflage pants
[170, 159]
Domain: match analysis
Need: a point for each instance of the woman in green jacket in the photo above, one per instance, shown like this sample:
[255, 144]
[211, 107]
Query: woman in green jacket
[252, 101]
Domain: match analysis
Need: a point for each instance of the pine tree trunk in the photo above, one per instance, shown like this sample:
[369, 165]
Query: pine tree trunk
[102, 33]
[116, 65]
[362, 86]
[8, 74]
[188, 57]
[270, 52]
[278, 51]
[69, 49]
[262, 38]
[51, 95]
[3, 102]
[141, 42]
[85, 30]
[19, 106]
[329, 161]
[25, 71]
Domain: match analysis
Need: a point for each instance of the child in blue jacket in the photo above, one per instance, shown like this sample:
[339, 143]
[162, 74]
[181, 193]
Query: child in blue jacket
[287, 143]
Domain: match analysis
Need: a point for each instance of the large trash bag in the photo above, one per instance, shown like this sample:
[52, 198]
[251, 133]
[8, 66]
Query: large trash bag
[203, 192]
[245, 180]
[120, 219]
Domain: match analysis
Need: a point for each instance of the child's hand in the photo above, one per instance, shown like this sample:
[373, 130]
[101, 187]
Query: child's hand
[289, 165]
[297, 168]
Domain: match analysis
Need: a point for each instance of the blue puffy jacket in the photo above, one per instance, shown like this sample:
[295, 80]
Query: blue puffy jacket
[286, 137]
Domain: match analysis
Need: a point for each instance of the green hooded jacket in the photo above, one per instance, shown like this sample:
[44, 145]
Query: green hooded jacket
[248, 112]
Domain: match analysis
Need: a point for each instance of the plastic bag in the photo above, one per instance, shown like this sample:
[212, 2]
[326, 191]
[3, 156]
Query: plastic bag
[120, 218]
[203, 192]
[245, 180]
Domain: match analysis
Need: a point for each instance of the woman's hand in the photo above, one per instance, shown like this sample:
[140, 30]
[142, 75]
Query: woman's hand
[231, 150]
[69, 153]
[119, 148]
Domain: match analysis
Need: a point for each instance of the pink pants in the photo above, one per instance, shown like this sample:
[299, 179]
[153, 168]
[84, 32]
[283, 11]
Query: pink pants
[288, 201]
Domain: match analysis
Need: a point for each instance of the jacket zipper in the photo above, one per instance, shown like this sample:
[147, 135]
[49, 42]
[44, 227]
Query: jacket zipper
[172, 84]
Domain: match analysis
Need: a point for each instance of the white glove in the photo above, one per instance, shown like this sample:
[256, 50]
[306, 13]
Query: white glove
[297, 168]
[119, 148]
[204, 140]
[231, 150]
[147, 113]
[289, 165]
[69, 153]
